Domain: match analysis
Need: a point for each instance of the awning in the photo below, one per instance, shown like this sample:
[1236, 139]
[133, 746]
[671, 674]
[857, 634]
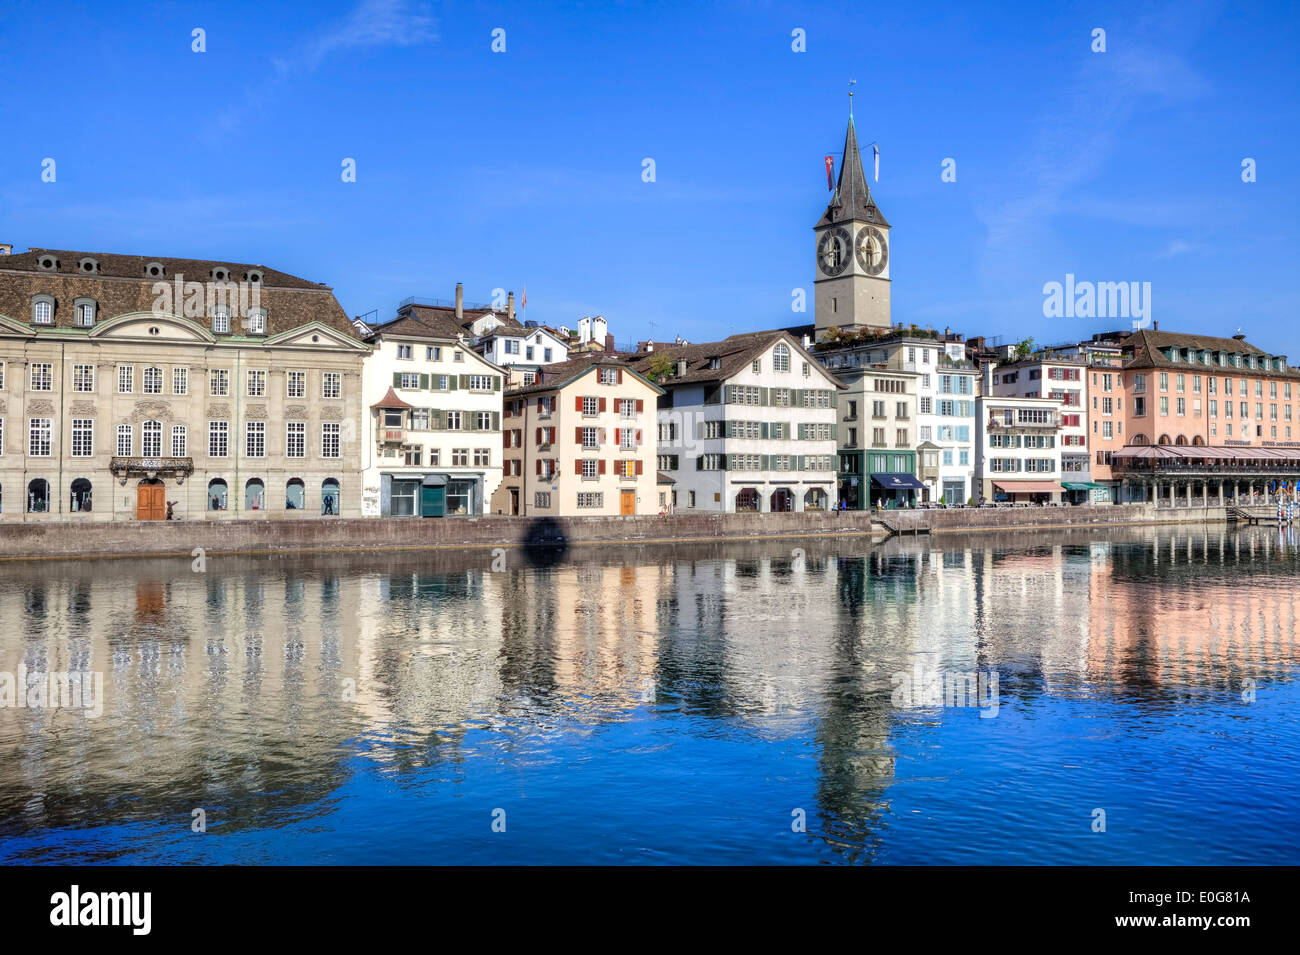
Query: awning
[1028, 487]
[897, 481]
[1080, 486]
[434, 480]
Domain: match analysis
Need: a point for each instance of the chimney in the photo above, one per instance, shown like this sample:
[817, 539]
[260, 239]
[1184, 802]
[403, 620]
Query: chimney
[681, 367]
[510, 306]
[1155, 326]
[6, 248]
[609, 343]
[460, 301]
[1239, 337]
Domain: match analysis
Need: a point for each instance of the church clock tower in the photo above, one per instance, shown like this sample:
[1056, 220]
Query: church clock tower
[852, 284]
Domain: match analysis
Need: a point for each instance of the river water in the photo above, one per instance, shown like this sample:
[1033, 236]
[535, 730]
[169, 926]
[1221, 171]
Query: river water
[1125, 696]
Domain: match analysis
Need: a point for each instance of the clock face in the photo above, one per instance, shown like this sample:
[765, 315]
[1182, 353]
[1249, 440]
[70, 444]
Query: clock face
[833, 251]
[872, 252]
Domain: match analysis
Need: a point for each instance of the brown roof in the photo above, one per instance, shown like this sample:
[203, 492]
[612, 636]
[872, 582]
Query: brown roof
[559, 374]
[421, 321]
[120, 286]
[733, 354]
[390, 400]
[1145, 349]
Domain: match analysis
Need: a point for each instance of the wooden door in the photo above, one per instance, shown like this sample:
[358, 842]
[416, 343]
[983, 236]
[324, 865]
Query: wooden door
[628, 503]
[150, 503]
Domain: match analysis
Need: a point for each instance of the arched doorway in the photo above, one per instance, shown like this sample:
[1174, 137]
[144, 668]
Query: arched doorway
[38, 496]
[254, 495]
[782, 500]
[216, 495]
[329, 497]
[814, 499]
[295, 495]
[1139, 439]
[80, 500]
[747, 500]
[150, 500]
[1180, 440]
[1164, 439]
[1198, 441]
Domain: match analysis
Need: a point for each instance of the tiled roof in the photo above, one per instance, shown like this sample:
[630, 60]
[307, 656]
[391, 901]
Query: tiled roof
[390, 400]
[559, 374]
[733, 354]
[1145, 348]
[422, 322]
[120, 286]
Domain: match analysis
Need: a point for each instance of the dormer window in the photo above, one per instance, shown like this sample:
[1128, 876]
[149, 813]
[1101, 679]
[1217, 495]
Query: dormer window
[83, 312]
[220, 274]
[220, 320]
[42, 309]
[257, 321]
[253, 276]
[47, 263]
[155, 270]
[715, 363]
[89, 266]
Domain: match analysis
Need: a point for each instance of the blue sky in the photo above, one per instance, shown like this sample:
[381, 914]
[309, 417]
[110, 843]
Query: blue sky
[500, 169]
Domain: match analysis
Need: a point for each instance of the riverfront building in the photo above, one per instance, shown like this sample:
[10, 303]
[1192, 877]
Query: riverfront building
[580, 440]
[431, 439]
[138, 388]
[1018, 458]
[749, 423]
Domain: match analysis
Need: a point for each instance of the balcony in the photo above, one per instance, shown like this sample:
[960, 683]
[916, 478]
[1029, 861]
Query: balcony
[392, 435]
[125, 468]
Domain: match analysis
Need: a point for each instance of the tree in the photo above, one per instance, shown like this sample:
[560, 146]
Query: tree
[661, 366]
[1024, 348]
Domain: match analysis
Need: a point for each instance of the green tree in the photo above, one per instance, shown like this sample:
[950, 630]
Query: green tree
[661, 366]
[1024, 348]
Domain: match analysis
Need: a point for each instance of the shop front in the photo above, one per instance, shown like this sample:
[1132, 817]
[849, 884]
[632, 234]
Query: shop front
[1085, 492]
[891, 490]
[431, 495]
[1026, 492]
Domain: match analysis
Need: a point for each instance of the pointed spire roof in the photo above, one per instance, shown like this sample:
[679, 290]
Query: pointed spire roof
[852, 199]
[390, 400]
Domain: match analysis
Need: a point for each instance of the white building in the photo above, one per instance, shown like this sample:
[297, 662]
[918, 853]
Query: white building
[1064, 379]
[431, 443]
[1018, 458]
[747, 424]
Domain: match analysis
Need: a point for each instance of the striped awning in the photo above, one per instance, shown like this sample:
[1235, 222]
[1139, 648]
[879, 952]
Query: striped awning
[1165, 452]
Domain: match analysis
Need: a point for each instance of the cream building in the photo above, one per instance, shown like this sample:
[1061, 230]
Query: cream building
[432, 429]
[580, 440]
[134, 388]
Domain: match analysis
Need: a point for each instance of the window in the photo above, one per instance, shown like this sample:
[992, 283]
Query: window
[151, 439]
[329, 440]
[596, 499]
[256, 383]
[83, 377]
[331, 383]
[255, 439]
[124, 441]
[180, 381]
[546, 354]
[42, 376]
[482, 457]
[153, 381]
[483, 420]
[408, 380]
[781, 358]
[40, 434]
[542, 499]
[295, 439]
[295, 384]
[43, 311]
[757, 366]
[220, 320]
[457, 356]
[453, 420]
[83, 313]
[432, 353]
[627, 408]
[218, 382]
[403, 351]
[590, 468]
[609, 376]
[589, 438]
[83, 437]
[257, 321]
[180, 441]
[459, 457]
[218, 439]
[627, 438]
[412, 455]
